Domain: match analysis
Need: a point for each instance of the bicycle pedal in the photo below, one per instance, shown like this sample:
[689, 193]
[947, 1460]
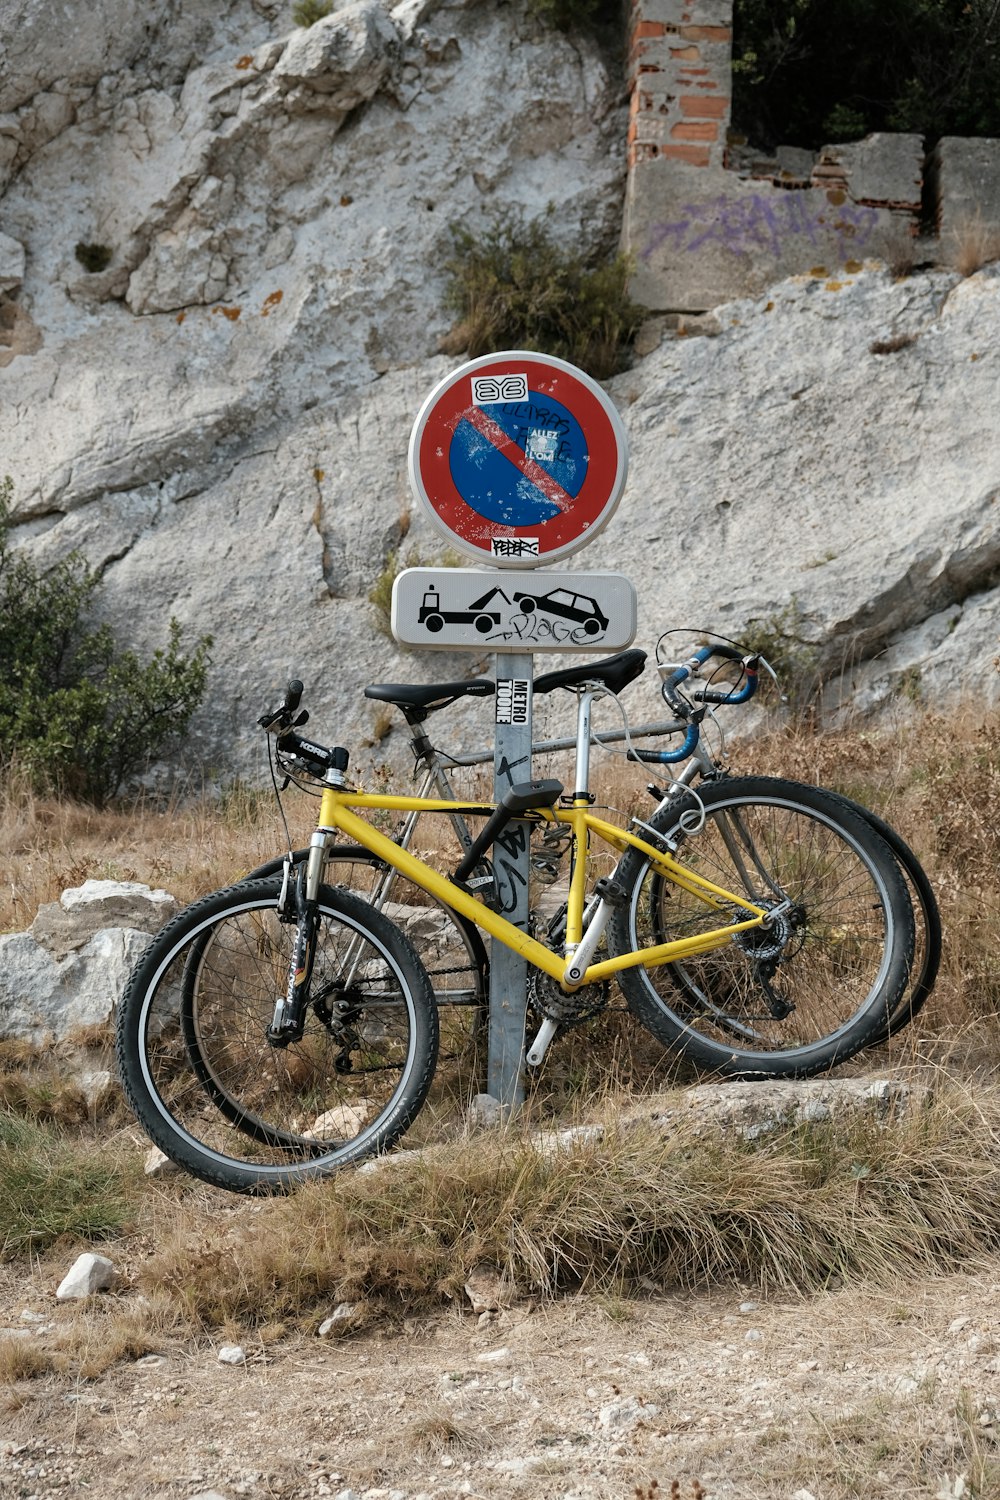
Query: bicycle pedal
[610, 891]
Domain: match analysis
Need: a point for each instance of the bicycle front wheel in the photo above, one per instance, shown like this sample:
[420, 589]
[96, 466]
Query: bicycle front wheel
[449, 948]
[796, 997]
[226, 1104]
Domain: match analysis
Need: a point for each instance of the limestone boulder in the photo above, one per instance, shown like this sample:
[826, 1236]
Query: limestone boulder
[67, 925]
[44, 998]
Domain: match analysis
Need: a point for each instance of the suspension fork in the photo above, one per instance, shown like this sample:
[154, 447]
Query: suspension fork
[288, 1021]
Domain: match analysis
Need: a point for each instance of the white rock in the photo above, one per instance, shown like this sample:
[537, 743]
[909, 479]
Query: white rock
[89, 1273]
[619, 1416]
[484, 1289]
[494, 1356]
[43, 997]
[11, 264]
[232, 1354]
[340, 1320]
[485, 1111]
[158, 1164]
[343, 1121]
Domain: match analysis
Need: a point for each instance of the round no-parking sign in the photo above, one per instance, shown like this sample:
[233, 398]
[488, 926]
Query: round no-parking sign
[519, 458]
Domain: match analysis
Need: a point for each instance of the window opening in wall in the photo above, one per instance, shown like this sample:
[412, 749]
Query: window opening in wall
[807, 73]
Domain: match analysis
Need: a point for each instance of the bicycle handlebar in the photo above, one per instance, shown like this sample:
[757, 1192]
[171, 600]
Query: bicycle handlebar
[683, 706]
[277, 720]
[749, 662]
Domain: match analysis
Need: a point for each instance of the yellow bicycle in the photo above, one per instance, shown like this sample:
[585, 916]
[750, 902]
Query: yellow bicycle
[282, 1028]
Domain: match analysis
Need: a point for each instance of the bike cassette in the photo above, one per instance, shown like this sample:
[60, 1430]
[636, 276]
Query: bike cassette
[767, 944]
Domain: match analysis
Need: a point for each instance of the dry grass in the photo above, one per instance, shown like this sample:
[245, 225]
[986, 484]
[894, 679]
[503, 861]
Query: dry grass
[936, 779]
[23, 1360]
[110, 1333]
[437, 1431]
[188, 849]
[866, 1201]
[972, 245]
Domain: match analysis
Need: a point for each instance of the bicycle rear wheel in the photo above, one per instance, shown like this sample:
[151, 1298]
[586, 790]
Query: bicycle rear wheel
[222, 1101]
[927, 917]
[786, 1001]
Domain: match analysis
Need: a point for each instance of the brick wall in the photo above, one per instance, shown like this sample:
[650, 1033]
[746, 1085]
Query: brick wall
[680, 54]
[707, 223]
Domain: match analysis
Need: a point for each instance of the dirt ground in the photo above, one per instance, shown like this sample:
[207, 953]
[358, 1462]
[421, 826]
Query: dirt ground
[720, 1395]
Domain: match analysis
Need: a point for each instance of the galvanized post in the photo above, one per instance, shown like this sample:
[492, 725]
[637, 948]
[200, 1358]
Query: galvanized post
[508, 970]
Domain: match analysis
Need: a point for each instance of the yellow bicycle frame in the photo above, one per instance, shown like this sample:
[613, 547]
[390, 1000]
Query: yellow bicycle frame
[336, 815]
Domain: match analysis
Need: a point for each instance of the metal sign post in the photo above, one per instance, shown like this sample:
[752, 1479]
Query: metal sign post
[519, 459]
[508, 970]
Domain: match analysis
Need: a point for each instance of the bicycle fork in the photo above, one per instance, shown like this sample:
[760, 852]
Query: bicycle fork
[298, 902]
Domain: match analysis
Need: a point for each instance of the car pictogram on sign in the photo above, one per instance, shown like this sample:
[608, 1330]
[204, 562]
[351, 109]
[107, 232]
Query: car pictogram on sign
[580, 608]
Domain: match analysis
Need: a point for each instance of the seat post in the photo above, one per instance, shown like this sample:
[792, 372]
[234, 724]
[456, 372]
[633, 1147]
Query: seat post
[581, 783]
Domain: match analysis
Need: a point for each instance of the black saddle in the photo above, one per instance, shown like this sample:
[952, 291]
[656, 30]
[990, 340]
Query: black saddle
[417, 700]
[615, 672]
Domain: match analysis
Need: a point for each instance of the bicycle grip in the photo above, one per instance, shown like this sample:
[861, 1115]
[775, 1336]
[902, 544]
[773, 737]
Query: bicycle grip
[293, 696]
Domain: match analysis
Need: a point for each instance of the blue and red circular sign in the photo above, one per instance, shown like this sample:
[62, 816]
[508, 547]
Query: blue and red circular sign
[519, 458]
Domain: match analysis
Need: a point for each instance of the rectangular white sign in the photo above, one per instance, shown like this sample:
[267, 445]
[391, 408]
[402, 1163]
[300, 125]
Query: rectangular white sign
[481, 609]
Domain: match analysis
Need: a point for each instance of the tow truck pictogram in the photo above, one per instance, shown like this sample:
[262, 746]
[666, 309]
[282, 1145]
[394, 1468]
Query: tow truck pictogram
[433, 617]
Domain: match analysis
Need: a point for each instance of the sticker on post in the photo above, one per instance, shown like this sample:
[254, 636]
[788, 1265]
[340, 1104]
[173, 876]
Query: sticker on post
[512, 700]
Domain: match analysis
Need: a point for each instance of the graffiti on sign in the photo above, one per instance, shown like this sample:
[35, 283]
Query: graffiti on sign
[746, 226]
[514, 546]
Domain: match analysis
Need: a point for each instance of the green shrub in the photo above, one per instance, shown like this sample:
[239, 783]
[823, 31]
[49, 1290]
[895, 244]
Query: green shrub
[576, 15]
[80, 714]
[783, 639]
[806, 72]
[514, 287]
[308, 12]
[381, 591]
[93, 258]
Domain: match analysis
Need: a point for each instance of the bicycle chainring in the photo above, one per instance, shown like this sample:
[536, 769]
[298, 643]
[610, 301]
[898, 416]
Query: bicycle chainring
[557, 1004]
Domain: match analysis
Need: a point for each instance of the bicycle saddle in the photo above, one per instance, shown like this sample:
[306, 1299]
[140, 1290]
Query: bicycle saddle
[428, 696]
[615, 672]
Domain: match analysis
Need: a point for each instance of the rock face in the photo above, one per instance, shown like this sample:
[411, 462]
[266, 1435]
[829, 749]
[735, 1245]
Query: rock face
[218, 415]
[70, 969]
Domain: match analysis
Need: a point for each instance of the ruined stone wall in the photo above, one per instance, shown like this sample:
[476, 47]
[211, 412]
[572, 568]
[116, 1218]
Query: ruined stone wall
[708, 219]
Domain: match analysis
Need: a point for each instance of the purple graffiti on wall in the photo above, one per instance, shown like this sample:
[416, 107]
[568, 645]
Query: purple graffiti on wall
[749, 225]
